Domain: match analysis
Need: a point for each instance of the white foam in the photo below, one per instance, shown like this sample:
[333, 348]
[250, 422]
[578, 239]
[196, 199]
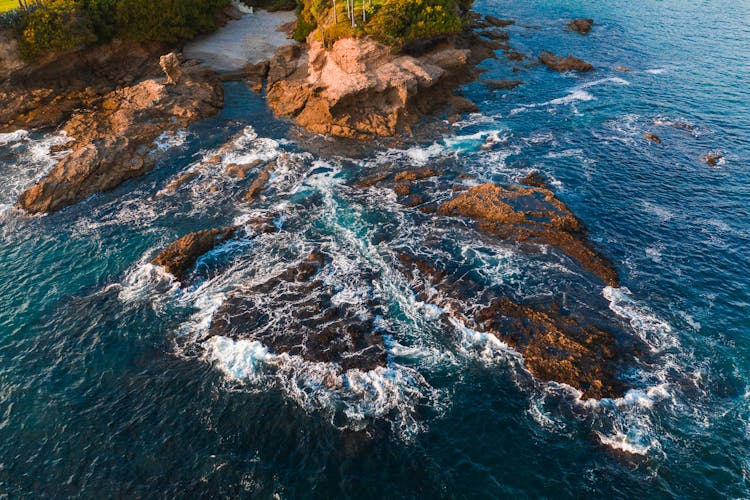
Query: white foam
[11, 137]
[615, 80]
[237, 359]
[623, 442]
[167, 141]
[656, 71]
[656, 333]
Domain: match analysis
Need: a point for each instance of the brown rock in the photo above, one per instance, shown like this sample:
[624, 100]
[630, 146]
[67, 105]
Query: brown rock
[623, 69]
[415, 175]
[534, 180]
[582, 26]
[115, 141]
[359, 89]
[240, 171]
[402, 189]
[555, 346]
[562, 64]
[259, 184]
[181, 255]
[515, 56]
[496, 34]
[172, 67]
[531, 214]
[652, 137]
[712, 159]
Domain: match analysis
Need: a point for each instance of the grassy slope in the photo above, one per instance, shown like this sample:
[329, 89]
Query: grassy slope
[6, 5]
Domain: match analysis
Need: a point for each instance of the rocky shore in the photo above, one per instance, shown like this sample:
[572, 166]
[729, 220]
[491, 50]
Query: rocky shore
[125, 96]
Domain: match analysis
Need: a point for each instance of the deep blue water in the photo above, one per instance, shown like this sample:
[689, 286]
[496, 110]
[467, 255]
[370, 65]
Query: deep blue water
[105, 390]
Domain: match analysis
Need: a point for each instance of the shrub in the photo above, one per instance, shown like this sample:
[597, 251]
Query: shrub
[399, 22]
[61, 25]
[166, 20]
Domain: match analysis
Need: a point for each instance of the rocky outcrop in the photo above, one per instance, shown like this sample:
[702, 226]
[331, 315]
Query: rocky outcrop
[652, 137]
[181, 255]
[359, 89]
[45, 94]
[115, 139]
[531, 214]
[295, 313]
[712, 159]
[555, 344]
[562, 64]
[582, 26]
[172, 67]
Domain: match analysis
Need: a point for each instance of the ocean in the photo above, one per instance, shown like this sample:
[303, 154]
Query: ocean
[109, 388]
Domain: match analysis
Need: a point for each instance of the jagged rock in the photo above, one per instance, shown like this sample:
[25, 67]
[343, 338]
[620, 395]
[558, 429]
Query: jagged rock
[582, 26]
[555, 345]
[652, 137]
[318, 330]
[502, 84]
[712, 159]
[181, 255]
[240, 171]
[623, 69]
[115, 141]
[359, 89]
[496, 21]
[534, 179]
[562, 64]
[531, 214]
[46, 93]
[259, 184]
[172, 67]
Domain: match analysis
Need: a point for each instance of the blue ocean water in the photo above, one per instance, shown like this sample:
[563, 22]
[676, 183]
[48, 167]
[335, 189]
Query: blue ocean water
[106, 390]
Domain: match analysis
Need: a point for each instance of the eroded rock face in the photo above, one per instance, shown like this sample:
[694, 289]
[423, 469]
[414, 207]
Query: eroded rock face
[172, 67]
[562, 64]
[115, 140]
[10, 58]
[555, 345]
[359, 89]
[532, 214]
[181, 255]
[45, 94]
[295, 313]
[582, 26]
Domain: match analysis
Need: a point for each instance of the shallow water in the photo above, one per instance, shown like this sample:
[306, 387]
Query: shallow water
[106, 387]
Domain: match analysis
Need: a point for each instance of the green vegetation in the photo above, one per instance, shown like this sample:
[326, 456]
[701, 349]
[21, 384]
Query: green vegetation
[57, 25]
[393, 22]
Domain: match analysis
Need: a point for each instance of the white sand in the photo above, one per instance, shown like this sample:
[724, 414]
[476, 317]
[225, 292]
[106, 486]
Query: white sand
[249, 40]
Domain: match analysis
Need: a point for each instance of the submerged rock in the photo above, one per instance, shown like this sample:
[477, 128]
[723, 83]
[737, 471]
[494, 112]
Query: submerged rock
[502, 84]
[496, 21]
[181, 255]
[582, 26]
[562, 64]
[531, 214]
[259, 184]
[115, 140]
[295, 313]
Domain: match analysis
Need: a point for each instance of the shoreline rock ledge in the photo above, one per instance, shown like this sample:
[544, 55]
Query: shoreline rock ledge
[114, 141]
[359, 89]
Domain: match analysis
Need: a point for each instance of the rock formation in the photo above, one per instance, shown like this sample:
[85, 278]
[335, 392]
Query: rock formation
[582, 26]
[531, 214]
[181, 255]
[652, 137]
[172, 67]
[555, 344]
[115, 139]
[562, 64]
[496, 21]
[294, 313]
[359, 89]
